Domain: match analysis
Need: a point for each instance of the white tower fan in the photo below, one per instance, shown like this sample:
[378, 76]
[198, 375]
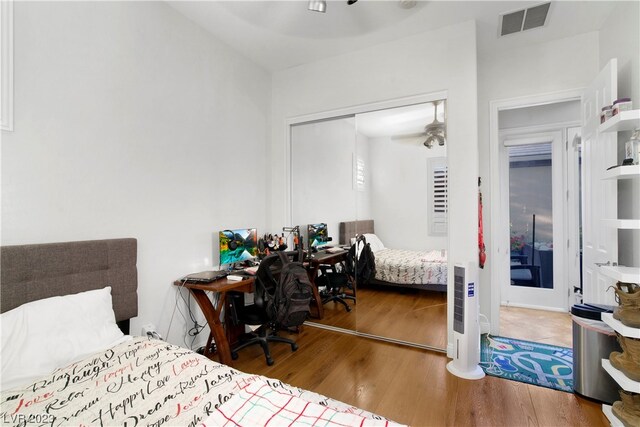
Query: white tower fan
[466, 329]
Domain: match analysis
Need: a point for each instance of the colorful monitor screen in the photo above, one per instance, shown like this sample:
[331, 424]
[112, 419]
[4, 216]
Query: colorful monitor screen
[318, 234]
[238, 245]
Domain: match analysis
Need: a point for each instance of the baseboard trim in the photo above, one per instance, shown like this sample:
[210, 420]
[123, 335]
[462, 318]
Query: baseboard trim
[533, 307]
[377, 337]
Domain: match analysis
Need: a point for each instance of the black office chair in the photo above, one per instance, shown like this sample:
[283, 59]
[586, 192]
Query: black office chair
[256, 313]
[334, 282]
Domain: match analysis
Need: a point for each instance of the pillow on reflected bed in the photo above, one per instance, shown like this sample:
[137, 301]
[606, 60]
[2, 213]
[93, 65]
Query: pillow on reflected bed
[41, 336]
[374, 242]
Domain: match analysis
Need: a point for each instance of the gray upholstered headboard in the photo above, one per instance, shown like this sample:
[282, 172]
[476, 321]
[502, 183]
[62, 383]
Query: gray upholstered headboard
[352, 228]
[33, 272]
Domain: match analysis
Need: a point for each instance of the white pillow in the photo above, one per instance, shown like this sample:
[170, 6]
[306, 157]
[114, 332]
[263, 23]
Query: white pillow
[41, 336]
[374, 242]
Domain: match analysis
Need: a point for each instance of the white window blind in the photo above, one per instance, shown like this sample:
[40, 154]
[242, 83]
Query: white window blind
[438, 195]
[359, 182]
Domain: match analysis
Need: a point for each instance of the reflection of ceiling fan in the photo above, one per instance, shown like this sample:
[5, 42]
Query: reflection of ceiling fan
[321, 5]
[435, 131]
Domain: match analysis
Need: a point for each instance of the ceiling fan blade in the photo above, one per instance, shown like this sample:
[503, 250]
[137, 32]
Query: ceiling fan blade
[409, 136]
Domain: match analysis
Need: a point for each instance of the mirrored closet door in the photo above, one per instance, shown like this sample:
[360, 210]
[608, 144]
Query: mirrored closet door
[382, 174]
[322, 192]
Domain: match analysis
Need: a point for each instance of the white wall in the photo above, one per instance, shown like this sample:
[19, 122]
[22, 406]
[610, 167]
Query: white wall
[560, 65]
[620, 38]
[130, 121]
[322, 173]
[561, 112]
[440, 60]
[399, 189]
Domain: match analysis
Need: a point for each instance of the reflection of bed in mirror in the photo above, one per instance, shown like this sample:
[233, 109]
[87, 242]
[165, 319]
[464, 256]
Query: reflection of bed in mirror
[426, 270]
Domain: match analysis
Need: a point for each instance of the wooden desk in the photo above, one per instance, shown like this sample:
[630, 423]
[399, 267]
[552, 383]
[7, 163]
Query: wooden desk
[319, 258]
[212, 313]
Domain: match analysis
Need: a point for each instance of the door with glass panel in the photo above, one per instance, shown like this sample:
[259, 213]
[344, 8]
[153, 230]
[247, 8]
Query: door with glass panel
[532, 193]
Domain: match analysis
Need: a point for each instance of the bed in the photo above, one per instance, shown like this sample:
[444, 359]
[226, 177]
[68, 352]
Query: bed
[67, 362]
[426, 270]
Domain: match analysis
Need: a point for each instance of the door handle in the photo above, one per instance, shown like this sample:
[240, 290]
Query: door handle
[602, 264]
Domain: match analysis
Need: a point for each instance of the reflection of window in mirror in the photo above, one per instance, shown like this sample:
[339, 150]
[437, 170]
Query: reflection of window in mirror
[6, 65]
[438, 195]
[359, 173]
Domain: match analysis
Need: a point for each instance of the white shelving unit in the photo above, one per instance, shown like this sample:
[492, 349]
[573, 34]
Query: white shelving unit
[624, 382]
[623, 224]
[623, 172]
[617, 326]
[622, 273]
[608, 412]
[625, 120]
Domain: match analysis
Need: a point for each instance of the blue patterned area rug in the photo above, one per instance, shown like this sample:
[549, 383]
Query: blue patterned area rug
[528, 362]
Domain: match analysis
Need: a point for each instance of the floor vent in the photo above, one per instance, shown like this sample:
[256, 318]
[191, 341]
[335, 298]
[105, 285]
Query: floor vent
[522, 20]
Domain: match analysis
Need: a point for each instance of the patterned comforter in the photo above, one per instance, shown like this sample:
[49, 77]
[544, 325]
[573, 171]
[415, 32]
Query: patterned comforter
[150, 382]
[411, 267]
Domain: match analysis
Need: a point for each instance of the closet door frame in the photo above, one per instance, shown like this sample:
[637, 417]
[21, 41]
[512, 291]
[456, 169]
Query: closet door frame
[350, 112]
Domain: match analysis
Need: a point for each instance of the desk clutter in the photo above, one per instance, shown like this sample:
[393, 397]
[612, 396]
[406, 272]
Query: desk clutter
[282, 292]
[272, 242]
[285, 292]
[205, 276]
[282, 281]
[312, 237]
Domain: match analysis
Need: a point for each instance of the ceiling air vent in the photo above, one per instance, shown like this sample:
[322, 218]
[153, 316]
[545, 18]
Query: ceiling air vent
[522, 20]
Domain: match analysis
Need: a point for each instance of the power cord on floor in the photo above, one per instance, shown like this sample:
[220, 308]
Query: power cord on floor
[196, 329]
[175, 307]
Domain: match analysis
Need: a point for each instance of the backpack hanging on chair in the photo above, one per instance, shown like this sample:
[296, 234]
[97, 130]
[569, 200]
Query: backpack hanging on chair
[290, 303]
[361, 263]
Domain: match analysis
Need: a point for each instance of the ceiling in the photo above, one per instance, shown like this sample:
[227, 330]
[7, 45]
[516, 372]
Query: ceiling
[282, 34]
[398, 122]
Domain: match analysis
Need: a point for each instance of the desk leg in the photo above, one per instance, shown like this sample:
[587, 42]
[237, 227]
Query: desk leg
[212, 314]
[313, 272]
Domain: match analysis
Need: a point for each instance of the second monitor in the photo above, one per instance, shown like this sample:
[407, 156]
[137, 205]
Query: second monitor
[318, 235]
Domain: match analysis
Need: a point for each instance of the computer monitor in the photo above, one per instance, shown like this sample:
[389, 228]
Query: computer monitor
[238, 245]
[318, 235]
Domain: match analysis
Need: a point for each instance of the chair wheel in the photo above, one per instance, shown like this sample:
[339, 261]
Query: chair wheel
[294, 347]
[348, 309]
[269, 361]
[234, 355]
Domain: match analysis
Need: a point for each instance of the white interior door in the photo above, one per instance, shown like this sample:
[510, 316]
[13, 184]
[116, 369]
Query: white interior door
[551, 293]
[600, 197]
[573, 152]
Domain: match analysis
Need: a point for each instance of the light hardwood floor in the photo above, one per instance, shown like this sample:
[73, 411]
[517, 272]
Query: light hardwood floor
[541, 326]
[414, 316]
[421, 317]
[413, 386]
